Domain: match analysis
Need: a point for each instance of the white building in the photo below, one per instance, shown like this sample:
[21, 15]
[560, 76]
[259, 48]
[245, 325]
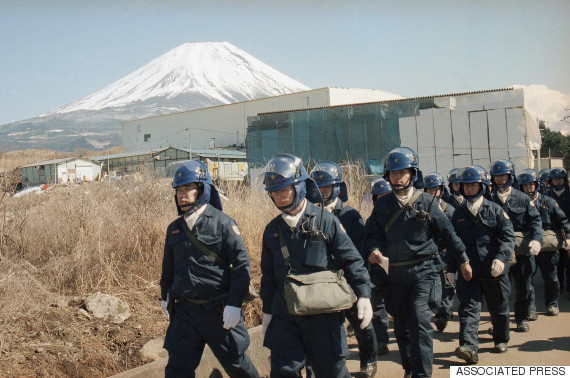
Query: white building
[60, 171]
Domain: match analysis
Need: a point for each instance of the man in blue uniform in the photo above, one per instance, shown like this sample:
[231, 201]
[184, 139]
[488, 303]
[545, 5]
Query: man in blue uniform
[526, 223]
[555, 224]
[544, 185]
[205, 278]
[559, 190]
[379, 188]
[435, 185]
[488, 235]
[403, 229]
[328, 176]
[316, 241]
[453, 179]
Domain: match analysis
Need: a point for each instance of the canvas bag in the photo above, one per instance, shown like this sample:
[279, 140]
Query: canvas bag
[522, 240]
[551, 241]
[321, 292]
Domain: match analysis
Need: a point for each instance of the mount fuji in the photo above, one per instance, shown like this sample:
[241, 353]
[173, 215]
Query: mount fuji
[190, 76]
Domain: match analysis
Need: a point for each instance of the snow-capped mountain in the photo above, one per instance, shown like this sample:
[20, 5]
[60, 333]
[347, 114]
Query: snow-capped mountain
[548, 105]
[190, 76]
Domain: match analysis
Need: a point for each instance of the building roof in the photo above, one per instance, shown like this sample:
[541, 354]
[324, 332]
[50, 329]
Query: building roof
[211, 153]
[395, 100]
[55, 161]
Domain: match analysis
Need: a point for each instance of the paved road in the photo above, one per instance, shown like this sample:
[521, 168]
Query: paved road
[547, 344]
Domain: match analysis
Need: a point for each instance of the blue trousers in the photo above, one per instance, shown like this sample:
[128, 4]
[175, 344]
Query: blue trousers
[521, 274]
[191, 328]
[471, 294]
[547, 262]
[320, 339]
[564, 270]
[380, 320]
[366, 338]
[447, 294]
[409, 304]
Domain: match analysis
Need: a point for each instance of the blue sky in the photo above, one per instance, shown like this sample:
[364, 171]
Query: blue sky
[55, 52]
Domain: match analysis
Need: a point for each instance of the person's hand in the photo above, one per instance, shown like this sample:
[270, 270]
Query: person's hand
[376, 257]
[163, 305]
[466, 271]
[534, 247]
[497, 268]
[451, 278]
[265, 321]
[232, 315]
[364, 307]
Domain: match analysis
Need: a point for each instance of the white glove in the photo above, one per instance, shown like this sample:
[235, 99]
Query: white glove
[451, 278]
[497, 268]
[534, 247]
[163, 305]
[566, 244]
[265, 321]
[364, 307]
[232, 315]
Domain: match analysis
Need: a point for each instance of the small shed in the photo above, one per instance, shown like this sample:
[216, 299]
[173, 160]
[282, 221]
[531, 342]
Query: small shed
[60, 171]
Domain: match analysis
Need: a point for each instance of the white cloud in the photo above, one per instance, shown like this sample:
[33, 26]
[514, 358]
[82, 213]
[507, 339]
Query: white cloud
[549, 105]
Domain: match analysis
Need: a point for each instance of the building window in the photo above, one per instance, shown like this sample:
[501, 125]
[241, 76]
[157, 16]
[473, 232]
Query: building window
[146, 137]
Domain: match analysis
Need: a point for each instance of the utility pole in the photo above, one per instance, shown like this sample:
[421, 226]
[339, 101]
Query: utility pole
[190, 141]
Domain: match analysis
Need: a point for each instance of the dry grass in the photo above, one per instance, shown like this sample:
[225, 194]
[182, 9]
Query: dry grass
[70, 241]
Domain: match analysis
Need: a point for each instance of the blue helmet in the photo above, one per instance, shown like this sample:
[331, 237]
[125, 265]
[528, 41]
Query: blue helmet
[558, 172]
[285, 169]
[435, 180]
[402, 158]
[454, 177]
[471, 175]
[196, 171]
[329, 173]
[503, 167]
[544, 174]
[527, 176]
[380, 186]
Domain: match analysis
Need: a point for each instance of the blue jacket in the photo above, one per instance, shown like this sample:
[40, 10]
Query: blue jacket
[308, 256]
[552, 216]
[522, 212]
[411, 236]
[353, 224]
[563, 200]
[481, 247]
[190, 274]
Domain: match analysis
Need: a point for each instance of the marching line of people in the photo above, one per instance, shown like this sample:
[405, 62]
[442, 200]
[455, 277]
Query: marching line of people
[423, 244]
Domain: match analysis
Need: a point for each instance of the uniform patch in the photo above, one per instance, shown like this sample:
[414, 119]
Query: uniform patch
[461, 220]
[506, 215]
[236, 229]
[275, 234]
[175, 231]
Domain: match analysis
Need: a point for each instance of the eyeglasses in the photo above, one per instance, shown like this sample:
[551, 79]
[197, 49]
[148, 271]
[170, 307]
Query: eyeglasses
[186, 188]
[281, 192]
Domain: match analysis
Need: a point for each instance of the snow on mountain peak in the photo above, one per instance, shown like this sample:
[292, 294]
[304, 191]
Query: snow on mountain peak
[217, 70]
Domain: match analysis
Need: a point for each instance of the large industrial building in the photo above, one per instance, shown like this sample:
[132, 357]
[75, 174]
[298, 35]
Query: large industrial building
[226, 125]
[358, 125]
[447, 131]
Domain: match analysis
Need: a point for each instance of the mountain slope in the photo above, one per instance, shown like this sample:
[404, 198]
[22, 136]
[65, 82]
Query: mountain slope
[190, 76]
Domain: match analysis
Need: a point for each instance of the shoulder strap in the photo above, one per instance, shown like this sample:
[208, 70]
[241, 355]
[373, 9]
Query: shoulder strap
[401, 210]
[283, 245]
[194, 240]
[476, 221]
